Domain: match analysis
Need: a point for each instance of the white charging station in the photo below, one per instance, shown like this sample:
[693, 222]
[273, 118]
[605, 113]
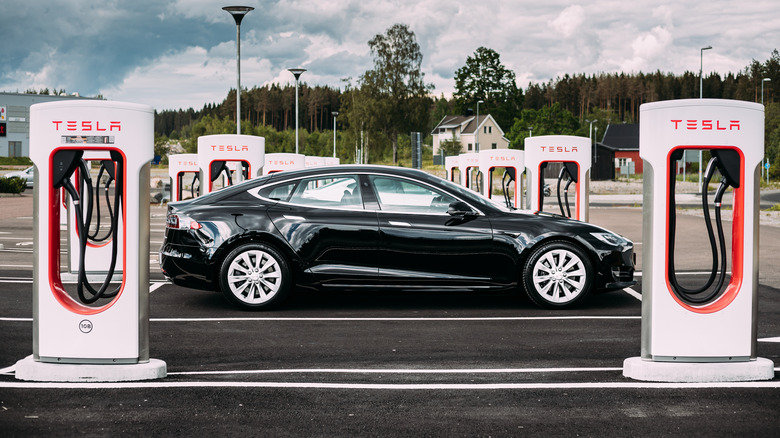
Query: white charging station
[232, 157]
[513, 161]
[281, 161]
[451, 164]
[95, 339]
[574, 153]
[332, 161]
[468, 163]
[312, 161]
[183, 169]
[690, 335]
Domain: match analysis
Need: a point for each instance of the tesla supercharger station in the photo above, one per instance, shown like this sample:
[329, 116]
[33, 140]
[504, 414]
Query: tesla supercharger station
[279, 162]
[183, 169]
[707, 333]
[332, 161]
[232, 157]
[452, 163]
[467, 163]
[81, 333]
[513, 163]
[574, 153]
[311, 161]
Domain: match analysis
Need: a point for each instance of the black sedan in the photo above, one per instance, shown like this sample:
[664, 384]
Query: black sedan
[376, 227]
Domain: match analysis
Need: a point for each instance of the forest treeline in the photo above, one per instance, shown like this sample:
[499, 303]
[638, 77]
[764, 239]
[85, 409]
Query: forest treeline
[564, 106]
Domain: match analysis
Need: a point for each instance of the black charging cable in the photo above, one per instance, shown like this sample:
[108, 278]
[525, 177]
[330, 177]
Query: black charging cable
[506, 179]
[107, 166]
[565, 170]
[84, 219]
[706, 292]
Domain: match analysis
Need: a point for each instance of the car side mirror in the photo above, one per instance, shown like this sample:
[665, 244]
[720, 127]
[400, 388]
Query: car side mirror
[460, 209]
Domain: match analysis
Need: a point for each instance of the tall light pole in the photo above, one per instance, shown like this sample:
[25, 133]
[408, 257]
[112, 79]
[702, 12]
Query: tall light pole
[476, 141]
[701, 70]
[335, 113]
[701, 95]
[590, 135]
[238, 13]
[762, 88]
[297, 72]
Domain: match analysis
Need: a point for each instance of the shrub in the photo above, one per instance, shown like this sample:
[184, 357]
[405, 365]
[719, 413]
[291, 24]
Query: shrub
[12, 185]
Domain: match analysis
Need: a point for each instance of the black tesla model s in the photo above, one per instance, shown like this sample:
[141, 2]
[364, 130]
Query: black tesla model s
[377, 227]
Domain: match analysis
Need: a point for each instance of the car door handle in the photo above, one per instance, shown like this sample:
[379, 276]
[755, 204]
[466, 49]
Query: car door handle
[399, 224]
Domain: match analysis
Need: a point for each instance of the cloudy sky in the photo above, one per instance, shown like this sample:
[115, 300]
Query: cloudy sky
[175, 54]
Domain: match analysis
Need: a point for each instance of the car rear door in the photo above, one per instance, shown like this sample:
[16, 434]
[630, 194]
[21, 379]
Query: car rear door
[325, 222]
[422, 245]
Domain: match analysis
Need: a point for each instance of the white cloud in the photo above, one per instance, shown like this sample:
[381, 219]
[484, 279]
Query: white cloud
[186, 79]
[569, 21]
[181, 53]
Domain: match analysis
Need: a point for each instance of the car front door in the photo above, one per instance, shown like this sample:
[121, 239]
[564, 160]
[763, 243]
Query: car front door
[423, 245]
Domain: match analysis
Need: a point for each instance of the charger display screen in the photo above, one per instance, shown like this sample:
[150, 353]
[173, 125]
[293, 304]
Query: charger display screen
[87, 139]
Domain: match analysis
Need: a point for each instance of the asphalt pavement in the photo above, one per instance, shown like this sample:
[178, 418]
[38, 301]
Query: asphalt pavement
[382, 364]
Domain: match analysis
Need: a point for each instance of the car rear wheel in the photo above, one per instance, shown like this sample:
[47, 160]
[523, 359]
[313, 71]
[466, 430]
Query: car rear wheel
[255, 276]
[557, 275]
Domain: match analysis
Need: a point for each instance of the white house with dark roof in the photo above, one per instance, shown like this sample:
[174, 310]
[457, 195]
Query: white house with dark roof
[464, 129]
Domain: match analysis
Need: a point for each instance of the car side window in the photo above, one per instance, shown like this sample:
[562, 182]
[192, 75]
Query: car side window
[396, 194]
[279, 192]
[334, 191]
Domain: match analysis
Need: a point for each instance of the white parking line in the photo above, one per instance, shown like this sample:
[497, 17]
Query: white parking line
[156, 285]
[401, 371]
[399, 386]
[369, 319]
[339, 319]
[633, 293]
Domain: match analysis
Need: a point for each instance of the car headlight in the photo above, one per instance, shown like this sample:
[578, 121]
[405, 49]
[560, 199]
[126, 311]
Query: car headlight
[610, 238]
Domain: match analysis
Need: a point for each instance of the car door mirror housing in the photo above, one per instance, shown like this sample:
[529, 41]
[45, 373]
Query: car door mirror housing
[460, 209]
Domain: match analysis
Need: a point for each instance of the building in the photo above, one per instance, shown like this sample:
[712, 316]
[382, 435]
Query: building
[15, 120]
[464, 130]
[617, 153]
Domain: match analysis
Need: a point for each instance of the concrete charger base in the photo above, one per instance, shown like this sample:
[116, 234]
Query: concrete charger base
[32, 370]
[697, 372]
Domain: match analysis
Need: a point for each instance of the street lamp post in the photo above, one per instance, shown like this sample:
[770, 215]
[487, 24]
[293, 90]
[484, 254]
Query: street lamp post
[701, 95]
[238, 13]
[701, 70]
[590, 135]
[762, 88]
[335, 113]
[476, 141]
[530, 131]
[297, 72]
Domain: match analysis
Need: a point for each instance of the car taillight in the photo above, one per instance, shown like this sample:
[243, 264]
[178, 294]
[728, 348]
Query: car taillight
[181, 222]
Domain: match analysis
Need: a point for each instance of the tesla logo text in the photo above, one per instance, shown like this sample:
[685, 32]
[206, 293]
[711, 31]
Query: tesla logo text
[229, 148]
[281, 163]
[556, 149]
[706, 125]
[87, 125]
[503, 159]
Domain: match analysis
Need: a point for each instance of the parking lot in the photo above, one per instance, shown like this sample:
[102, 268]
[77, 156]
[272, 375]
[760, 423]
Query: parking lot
[410, 364]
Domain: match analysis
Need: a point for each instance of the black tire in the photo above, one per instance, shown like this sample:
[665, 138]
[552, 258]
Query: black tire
[255, 276]
[558, 275]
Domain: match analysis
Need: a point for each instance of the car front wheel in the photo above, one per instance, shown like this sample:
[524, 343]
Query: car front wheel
[557, 275]
[255, 276]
